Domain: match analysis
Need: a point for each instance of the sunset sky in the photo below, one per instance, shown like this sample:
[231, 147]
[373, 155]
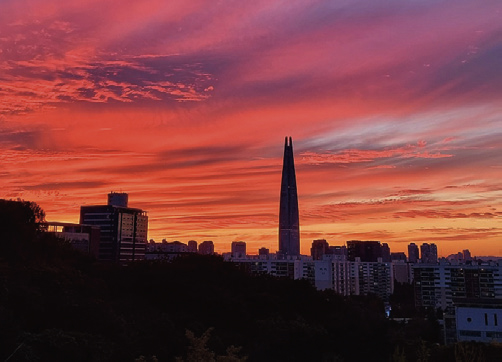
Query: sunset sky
[394, 108]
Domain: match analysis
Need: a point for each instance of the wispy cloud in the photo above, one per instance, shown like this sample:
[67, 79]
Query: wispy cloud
[355, 156]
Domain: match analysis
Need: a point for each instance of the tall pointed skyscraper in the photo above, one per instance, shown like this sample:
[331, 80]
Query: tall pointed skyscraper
[289, 224]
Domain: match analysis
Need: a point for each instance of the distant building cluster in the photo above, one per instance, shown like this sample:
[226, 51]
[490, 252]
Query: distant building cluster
[358, 268]
[171, 250]
[468, 290]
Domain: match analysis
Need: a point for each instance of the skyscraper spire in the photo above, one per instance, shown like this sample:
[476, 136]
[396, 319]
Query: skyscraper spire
[289, 224]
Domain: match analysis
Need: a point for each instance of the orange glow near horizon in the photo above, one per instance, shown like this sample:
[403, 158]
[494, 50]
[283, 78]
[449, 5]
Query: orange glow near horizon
[394, 110]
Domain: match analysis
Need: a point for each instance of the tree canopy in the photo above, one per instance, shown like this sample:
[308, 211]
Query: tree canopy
[60, 305]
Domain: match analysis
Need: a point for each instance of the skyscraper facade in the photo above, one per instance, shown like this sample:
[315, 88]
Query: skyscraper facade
[123, 230]
[289, 224]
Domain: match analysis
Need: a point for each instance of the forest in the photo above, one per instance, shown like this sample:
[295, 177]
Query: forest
[57, 304]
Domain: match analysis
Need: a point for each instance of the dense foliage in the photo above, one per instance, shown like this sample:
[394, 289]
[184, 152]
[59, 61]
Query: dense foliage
[59, 305]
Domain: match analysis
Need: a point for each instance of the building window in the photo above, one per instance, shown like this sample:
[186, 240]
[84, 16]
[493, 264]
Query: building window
[495, 319]
[470, 333]
[486, 319]
[494, 334]
[469, 320]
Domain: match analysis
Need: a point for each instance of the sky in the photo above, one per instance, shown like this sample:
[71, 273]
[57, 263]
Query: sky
[394, 108]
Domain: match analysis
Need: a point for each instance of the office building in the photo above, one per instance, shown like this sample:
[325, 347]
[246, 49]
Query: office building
[84, 238]
[289, 224]
[123, 230]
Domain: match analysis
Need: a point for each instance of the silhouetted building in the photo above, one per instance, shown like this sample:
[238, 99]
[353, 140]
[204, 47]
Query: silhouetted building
[206, 247]
[385, 253]
[399, 256]
[413, 253]
[166, 250]
[403, 271]
[123, 230]
[289, 224]
[238, 249]
[319, 248]
[263, 251]
[81, 237]
[367, 251]
[120, 199]
[192, 246]
[428, 253]
[339, 251]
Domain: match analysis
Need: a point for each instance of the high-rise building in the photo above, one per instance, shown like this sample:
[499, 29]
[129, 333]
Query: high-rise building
[398, 256]
[192, 246]
[344, 277]
[413, 255]
[238, 249]
[289, 224]
[206, 247]
[428, 253]
[123, 230]
[319, 248]
[439, 285]
[338, 251]
[366, 251]
[385, 253]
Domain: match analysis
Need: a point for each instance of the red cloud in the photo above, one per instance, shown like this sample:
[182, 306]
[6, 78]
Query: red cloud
[358, 156]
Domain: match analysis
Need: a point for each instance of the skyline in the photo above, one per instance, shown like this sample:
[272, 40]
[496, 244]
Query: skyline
[394, 108]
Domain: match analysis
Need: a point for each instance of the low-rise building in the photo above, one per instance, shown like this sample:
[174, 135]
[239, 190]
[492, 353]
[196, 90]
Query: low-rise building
[81, 237]
[166, 250]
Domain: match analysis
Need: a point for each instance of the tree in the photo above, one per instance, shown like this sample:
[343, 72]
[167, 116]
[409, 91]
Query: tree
[19, 225]
[198, 350]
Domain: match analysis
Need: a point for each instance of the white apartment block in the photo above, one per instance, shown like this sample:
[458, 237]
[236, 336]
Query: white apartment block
[438, 285]
[344, 277]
